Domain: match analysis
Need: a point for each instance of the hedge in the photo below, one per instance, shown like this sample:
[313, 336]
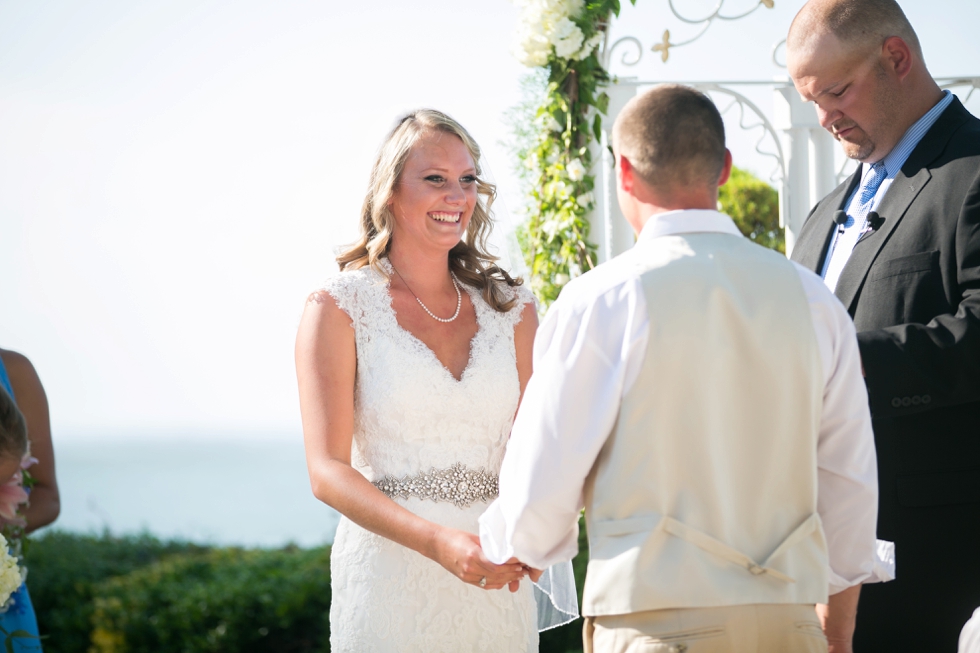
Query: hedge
[65, 571]
[224, 600]
[140, 595]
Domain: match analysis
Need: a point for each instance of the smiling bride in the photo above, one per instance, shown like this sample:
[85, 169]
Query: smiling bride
[411, 364]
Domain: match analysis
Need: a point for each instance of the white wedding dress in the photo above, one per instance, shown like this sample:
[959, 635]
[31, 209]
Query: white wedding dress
[418, 432]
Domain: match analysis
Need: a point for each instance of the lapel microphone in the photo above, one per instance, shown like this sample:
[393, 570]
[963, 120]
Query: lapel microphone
[874, 221]
[840, 217]
[871, 225]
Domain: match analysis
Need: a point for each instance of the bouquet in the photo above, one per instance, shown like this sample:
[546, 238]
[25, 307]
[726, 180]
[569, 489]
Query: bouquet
[11, 574]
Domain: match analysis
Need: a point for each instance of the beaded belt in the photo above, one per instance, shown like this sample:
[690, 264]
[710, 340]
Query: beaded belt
[457, 484]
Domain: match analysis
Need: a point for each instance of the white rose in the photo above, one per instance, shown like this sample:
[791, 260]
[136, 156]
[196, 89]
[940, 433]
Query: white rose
[575, 170]
[589, 47]
[585, 200]
[561, 279]
[567, 38]
[10, 573]
[569, 7]
[574, 270]
[550, 228]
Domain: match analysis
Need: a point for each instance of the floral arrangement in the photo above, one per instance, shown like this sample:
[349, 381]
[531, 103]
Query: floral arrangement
[11, 573]
[563, 37]
[14, 499]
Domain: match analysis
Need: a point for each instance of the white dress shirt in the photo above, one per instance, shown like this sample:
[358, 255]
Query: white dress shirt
[587, 354]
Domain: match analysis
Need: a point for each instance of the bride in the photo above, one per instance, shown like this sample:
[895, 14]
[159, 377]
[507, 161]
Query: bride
[411, 364]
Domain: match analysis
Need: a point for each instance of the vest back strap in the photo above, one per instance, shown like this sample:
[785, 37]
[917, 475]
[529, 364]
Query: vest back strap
[722, 550]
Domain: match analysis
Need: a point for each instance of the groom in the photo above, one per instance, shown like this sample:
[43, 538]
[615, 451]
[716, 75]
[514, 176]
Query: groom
[702, 398]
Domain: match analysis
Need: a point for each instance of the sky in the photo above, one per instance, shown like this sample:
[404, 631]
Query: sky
[176, 175]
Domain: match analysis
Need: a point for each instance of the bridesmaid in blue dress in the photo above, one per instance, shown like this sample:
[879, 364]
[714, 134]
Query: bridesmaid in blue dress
[20, 381]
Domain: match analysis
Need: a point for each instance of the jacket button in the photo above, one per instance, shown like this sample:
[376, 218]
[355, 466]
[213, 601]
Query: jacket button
[896, 402]
[926, 399]
[906, 402]
[916, 400]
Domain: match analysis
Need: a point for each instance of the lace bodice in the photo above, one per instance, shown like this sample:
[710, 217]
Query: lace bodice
[410, 413]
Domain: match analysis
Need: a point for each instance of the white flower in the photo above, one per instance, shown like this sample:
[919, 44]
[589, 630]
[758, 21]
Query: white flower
[588, 47]
[585, 200]
[574, 270]
[561, 279]
[550, 228]
[10, 573]
[567, 38]
[558, 189]
[545, 24]
[575, 170]
[548, 122]
[553, 154]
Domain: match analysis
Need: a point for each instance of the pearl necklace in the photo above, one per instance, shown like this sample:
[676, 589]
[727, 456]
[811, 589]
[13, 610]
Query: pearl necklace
[459, 297]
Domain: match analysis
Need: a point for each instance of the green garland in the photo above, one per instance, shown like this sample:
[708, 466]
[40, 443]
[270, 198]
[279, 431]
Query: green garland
[562, 36]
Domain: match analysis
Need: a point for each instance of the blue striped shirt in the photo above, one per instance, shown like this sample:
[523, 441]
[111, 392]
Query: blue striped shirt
[893, 161]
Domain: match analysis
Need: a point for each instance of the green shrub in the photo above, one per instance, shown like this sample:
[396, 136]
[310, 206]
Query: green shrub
[65, 570]
[137, 594]
[227, 600]
[754, 206]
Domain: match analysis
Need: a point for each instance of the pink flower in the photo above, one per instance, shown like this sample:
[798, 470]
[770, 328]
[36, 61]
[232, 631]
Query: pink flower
[13, 495]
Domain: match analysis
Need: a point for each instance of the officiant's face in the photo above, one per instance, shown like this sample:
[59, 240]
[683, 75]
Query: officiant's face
[434, 198]
[853, 95]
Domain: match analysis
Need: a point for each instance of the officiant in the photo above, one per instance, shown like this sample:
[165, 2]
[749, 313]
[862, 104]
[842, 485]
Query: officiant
[905, 262]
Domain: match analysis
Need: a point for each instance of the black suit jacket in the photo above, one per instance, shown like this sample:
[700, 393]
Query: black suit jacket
[913, 289]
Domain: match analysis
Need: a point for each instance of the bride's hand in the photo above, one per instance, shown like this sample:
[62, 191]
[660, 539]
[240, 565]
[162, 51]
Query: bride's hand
[460, 553]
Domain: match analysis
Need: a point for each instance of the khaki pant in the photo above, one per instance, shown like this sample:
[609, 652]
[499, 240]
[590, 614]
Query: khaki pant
[763, 628]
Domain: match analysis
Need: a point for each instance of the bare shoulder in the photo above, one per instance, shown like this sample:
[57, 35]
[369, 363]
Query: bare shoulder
[18, 366]
[529, 317]
[526, 324]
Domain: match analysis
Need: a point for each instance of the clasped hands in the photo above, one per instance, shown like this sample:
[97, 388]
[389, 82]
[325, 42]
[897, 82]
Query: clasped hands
[461, 554]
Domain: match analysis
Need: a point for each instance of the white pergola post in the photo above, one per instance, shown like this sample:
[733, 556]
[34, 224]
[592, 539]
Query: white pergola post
[809, 157]
[608, 228]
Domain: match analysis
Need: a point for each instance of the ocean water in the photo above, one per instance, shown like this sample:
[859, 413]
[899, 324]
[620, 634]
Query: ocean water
[253, 492]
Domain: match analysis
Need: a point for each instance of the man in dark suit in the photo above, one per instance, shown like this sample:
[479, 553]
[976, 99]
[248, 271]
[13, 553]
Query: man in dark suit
[903, 256]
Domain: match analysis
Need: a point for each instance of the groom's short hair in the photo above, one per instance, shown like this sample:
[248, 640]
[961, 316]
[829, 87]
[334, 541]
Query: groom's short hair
[673, 136]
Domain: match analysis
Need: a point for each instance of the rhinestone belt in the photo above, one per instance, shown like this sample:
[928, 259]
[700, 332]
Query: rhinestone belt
[457, 484]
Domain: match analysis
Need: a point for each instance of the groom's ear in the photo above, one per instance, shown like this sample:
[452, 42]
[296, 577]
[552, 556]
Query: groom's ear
[626, 174]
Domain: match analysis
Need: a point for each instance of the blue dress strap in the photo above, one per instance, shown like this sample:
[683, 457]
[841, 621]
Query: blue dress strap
[5, 380]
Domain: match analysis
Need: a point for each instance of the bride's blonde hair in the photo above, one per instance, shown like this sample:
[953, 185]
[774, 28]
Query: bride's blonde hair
[469, 260]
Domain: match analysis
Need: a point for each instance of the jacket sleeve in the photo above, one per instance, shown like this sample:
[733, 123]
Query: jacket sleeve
[912, 368]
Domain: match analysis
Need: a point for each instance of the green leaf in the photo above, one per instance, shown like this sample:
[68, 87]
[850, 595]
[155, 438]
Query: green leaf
[602, 103]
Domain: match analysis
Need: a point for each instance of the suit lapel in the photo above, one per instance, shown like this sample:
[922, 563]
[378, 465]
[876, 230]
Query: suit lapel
[817, 231]
[906, 186]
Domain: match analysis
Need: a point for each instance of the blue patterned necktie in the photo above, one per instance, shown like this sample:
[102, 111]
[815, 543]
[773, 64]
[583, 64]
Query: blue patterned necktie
[857, 217]
[869, 188]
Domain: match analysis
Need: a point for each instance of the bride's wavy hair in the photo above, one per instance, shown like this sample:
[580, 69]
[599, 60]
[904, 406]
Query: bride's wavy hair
[469, 260]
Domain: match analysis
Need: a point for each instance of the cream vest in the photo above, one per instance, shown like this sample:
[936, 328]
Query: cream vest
[705, 493]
